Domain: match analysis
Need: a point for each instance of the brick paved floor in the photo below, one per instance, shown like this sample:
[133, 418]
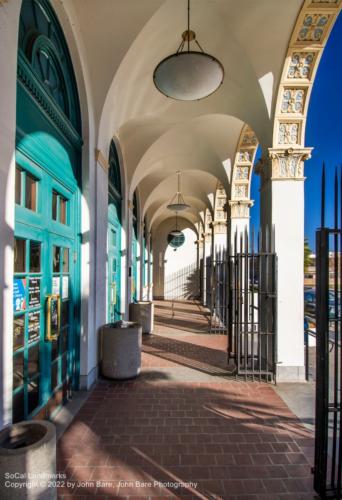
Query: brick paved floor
[222, 439]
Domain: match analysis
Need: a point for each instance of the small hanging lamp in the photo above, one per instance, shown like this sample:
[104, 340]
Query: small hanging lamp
[188, 75]
[177, 202]
[176, 238]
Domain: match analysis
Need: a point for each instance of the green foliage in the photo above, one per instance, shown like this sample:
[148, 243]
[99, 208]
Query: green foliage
[307, 253]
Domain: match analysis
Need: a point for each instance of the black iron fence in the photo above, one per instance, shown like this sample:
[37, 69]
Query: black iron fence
[328, 443]
[243, 300]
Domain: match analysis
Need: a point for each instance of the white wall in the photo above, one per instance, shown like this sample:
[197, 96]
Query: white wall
[180, 269]
[173, 271]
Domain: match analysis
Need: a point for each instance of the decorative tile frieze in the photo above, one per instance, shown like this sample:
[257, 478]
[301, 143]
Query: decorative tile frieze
[288, 164]
[313, 27]
[293, 101]
[240, 191]
[249, 139]
[220, 202]
[221, 215]
[241, 173]
[245, 155]
[288, 133]
[300, 66]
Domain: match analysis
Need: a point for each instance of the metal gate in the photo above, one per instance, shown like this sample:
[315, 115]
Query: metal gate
[218, 292]
[243, 305]
[328, 443]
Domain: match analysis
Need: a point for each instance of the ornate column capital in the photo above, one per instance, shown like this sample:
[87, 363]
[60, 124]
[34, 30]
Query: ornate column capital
[218, 227]
[206, 237]
[288, 164]
[239, 209]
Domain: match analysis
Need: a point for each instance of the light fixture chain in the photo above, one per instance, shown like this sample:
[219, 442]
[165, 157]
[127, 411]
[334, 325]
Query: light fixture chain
[188, 25]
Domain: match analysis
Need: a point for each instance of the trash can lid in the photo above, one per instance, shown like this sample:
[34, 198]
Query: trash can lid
[122, 324]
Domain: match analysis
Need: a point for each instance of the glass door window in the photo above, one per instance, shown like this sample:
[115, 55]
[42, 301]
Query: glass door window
[113, 272]
[61, 287]
[27, 323]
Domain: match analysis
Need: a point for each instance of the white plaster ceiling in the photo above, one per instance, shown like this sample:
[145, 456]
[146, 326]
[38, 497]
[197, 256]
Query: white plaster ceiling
[126, 39]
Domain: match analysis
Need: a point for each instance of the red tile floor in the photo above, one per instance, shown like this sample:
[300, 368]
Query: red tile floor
[184, 428]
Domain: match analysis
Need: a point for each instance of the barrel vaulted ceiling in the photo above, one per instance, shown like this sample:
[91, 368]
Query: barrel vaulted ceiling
[125, 40]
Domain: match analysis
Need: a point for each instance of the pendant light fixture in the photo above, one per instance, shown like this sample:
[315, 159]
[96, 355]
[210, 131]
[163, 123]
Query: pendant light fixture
[177, 202]
[188, 75]
[176, 238]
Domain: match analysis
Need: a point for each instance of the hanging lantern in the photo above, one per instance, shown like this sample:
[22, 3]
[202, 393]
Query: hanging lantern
[176, 238]
[188, 75]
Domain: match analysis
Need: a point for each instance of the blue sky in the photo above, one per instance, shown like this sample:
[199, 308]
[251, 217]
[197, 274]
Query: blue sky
[323, 132]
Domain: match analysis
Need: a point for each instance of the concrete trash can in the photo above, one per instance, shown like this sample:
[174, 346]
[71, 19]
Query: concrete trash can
[142, 312]
[121, 350]
[28, 461]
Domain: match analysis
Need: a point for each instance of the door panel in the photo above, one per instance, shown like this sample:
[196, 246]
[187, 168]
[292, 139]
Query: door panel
[43, 266]
[114, 270]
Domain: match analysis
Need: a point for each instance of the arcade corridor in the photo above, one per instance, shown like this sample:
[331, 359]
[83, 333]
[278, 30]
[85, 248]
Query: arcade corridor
[124, 183]
[185, 428]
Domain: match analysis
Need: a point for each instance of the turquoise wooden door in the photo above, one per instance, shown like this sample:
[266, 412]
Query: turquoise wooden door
[134, 265]
[114, 237]
[45, 334]
[114, 270]
[134, 277]
[46, 299]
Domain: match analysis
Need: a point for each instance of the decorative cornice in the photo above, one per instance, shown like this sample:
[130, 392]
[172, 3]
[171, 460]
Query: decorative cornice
[30, 82]
[101, 160]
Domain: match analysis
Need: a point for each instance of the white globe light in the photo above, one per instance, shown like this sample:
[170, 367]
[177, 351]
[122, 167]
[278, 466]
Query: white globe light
[177, 207]
[188, 76]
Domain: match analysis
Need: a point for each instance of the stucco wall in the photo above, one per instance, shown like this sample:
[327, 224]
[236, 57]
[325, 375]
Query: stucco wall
[174, 272]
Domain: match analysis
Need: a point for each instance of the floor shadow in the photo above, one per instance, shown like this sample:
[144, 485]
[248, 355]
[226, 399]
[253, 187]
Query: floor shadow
[146, 439]
[200, 358]
[187, 323]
